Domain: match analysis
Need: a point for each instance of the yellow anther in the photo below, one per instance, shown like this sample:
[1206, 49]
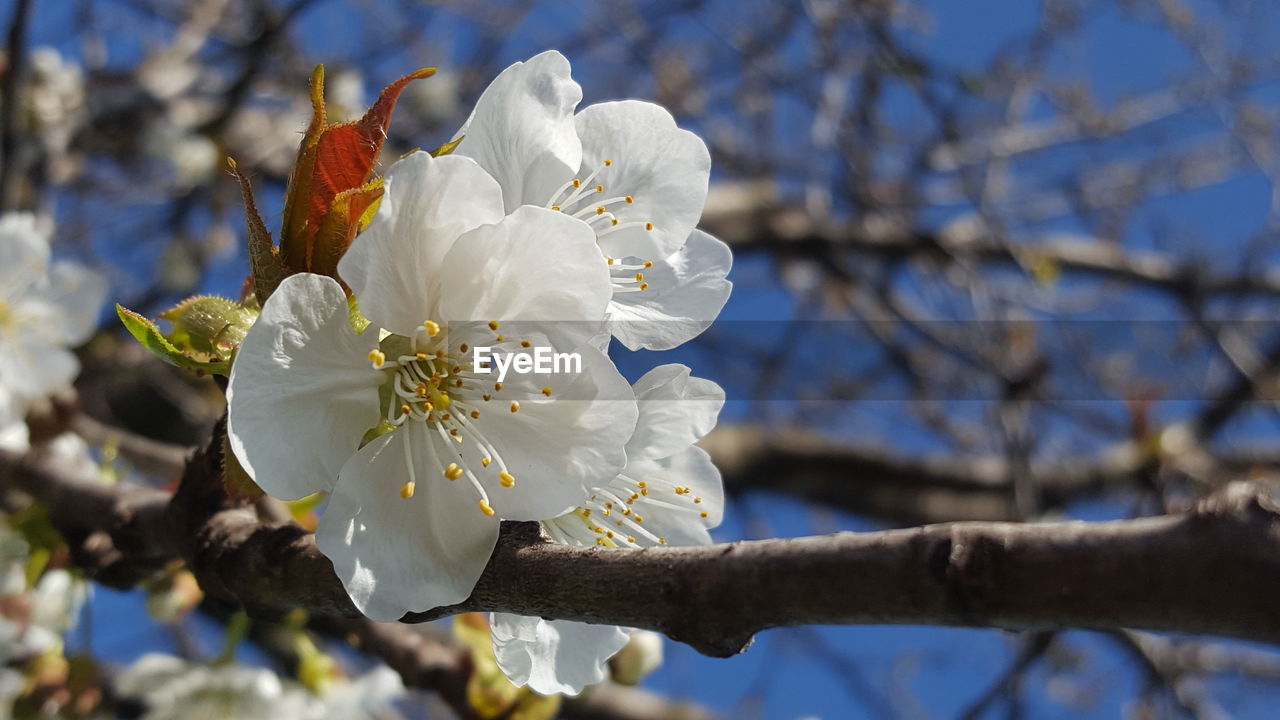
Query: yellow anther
[486, 397]
[608, 534]
[475, 414]
[525, 343]
[421, 356]
[555, 207]
[630, 199]
[642, 484]
[613, 221]
[639, 518]
[607, 163]
[453, 432]
[639, 277]
[515, 406]
[508, 480]
[586, 512]
[644, 286]
[440, 354]
[662, 541]
[631, 538]
[600, 210]
[599, 188]
[648, 226]
[648, 263]
[610, 261]
[703, 513]
[485, 461]
[445, 417]
[484, 508]
[377, 358]
[546, 391]
[493, 324]
[497, 386]
[404, 409]
[577, 182]
[697, 500]
[427, 406]
[453, 472]
[644, 491]
[458, 382]
[500, 338]
[421, 390]
[432, 328]
[434, 380]
[406, 490]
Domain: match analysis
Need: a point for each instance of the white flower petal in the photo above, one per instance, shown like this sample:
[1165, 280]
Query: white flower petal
[676, 410]
[560, 446]
[553, 656]
[397, 555]
[24, 254]
[663, 168]
[33, 366]
[65, 306]
[394, 266]
[534, 265]
[686, 292]
[302, 391]
[522, 130]
[675, 517]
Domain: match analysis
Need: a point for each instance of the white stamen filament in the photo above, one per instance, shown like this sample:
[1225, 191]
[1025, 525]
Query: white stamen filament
[423, 388]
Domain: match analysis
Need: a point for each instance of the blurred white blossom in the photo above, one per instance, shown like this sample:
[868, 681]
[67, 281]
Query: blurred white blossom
[171, 687]
[46, 308]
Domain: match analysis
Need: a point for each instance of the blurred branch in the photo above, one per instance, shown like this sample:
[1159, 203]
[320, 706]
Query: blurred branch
[750, 219]
[150, 456]
[16, 51]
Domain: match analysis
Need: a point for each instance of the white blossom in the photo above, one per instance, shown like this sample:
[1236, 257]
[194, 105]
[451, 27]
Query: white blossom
[413, 513]
[626, 170]
[175, 688]
[669, 493]
[45, 308]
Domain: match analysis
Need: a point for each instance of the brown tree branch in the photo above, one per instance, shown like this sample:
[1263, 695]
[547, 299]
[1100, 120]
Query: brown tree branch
[1214, 570]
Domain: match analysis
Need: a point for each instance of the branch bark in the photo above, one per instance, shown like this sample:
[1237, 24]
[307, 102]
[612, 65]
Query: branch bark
[1214, 570]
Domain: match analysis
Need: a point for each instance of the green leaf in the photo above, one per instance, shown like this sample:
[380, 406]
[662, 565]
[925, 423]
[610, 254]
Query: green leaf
[448, 147]
[146, 332]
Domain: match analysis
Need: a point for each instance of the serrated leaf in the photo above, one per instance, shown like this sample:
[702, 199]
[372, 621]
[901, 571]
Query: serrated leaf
[267, 268]
[146, 332]
[331, 159]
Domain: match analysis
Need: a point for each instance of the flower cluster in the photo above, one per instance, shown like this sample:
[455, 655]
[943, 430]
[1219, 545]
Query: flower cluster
[543, 228]
[45, 308]
[175, 688]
